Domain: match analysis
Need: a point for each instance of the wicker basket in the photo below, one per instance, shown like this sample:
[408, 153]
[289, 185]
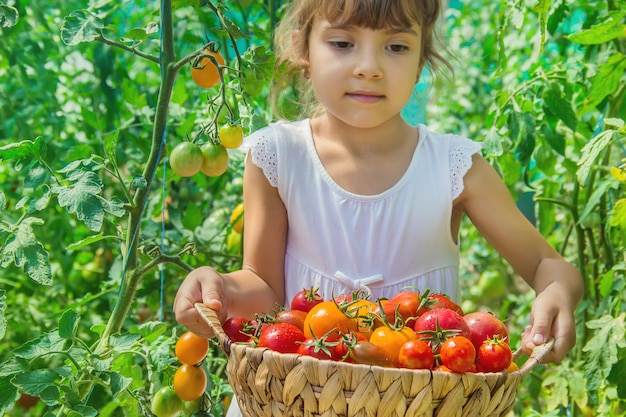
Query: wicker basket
[267, 383]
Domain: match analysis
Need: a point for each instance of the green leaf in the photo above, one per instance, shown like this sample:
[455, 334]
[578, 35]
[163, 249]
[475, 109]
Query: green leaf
[68, 324]
[602, 348]
[556, 104]
[81, 26]
[43, 345]
[35, 382]
[617, 376]
[123, 341]
[8, 16]
[613, 27]
[24, 250]
[3, 201]
[83, 411]
[82, 198]
[151, 330]
[119, 383]
[8, 396]
[36, 176]
[3, 308]
[542, 8]
[618, 219]
[24, 149]
[606, 81]
[600, 191]
[590, 153]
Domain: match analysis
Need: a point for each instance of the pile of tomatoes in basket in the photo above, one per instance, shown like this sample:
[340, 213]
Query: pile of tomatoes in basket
[409, 330]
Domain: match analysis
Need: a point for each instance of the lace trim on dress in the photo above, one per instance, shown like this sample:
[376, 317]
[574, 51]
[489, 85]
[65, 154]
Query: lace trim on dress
[460, 162]
[263, 151]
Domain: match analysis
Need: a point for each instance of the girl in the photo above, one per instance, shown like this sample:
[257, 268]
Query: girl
[354, 197]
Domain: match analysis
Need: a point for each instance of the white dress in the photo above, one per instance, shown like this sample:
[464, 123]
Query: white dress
[339, 241]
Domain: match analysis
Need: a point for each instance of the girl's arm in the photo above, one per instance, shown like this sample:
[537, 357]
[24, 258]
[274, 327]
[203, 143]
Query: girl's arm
[259, 285]
[558, 284]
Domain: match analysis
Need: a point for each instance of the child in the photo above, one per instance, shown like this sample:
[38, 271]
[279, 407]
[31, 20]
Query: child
[355, 197]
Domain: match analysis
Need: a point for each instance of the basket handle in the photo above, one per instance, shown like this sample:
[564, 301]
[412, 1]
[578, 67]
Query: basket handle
[535, 357]
[210, 317]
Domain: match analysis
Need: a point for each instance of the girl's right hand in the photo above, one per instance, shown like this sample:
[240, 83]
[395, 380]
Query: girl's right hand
[202, 285]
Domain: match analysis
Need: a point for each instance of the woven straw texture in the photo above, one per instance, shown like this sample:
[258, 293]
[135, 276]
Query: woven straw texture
[273, 384]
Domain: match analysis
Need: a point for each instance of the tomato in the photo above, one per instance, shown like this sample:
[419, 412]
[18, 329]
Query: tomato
[494, 355]
[321, 349]
[236, 218]
[362, 312]
[191, 407]
[237, 329]
[204, 72]
[491, 284]
[512, 367]
[483, 325]
[295, 317]
[27, 401]
[191, 349]
[367, 353]
[326, 316]
[281, 337]
[306, 299]
[443, 301]
[408, 304]
[189, 382]
[230, 136]
[435, 326]
[233, 242]
[391, 340]
[214, 159]
[416, 354]
[186, 159]
[166, 403]
[458, 353]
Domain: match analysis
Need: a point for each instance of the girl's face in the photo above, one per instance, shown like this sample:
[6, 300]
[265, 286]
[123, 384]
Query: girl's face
[362, 76]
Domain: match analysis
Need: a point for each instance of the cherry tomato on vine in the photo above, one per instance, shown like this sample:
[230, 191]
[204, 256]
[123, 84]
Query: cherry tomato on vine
[191, 349]
[214, 159]
[186, 159]
[231, 136]
[205, 73]
[459, 354]
[236, 218]
[494, 355]
[189, 382]
[416, 354]
[236, 328]
[165, 403]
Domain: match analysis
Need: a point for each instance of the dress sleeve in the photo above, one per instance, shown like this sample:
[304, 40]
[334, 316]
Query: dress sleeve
[261, 145]
[461, 151]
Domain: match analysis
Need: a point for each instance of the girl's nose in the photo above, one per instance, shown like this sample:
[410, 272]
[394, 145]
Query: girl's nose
[368, 65]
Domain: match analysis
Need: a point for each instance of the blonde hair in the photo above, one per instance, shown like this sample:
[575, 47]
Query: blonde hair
[292, 34]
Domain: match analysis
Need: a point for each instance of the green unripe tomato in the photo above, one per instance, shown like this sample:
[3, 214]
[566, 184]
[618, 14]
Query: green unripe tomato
[166, 403]
[214, 159]
[186, 159]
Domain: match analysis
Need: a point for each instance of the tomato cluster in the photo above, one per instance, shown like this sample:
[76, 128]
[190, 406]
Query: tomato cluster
[409, 330]
[190, 379]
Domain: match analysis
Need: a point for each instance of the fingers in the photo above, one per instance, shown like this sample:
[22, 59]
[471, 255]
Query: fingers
[550, 322]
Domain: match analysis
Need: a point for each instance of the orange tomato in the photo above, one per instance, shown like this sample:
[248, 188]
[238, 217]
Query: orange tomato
[191, 349]
[189, 382]
[325, 317]
[391, 340]
[362, 312]
[205, 73]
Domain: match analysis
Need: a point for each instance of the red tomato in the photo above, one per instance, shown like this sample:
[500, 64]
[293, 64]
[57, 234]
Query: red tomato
[295, 317]
[408, 304]
[458, 353]
[443, 301]
[320, 349]
[483, 326]
[435, 326]
[367, 353]
[326, 316]
[391, 340]
[281, 337]
[416, 354]
[237, 329]
[306, 299]
[494, 355]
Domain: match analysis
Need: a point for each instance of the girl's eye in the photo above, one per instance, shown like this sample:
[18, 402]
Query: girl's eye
[340, 44]
[398, 48]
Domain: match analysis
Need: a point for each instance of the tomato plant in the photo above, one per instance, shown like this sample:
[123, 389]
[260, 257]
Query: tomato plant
[191, 349]
[189, 382]
[215, 159]
[458, 354]
[203, 70]
[165, 403]
[231, 136]
[282, 337]
[186, 159]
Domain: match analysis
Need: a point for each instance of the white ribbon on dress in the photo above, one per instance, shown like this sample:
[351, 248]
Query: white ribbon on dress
[360, 283]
